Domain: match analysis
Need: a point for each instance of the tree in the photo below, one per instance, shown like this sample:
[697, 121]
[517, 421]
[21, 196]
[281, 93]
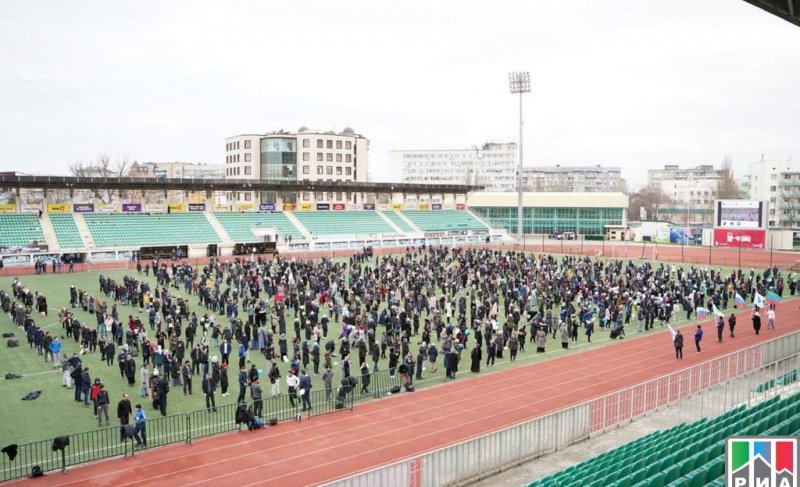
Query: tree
[649, 198]
[103, 167]
[727, 187]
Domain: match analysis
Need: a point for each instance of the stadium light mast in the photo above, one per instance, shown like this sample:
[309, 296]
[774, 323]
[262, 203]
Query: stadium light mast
[519, 82]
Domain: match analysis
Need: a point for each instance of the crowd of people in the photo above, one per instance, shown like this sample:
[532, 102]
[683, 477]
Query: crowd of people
[407, 310]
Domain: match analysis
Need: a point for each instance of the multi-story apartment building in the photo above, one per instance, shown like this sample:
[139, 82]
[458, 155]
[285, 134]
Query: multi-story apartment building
[576, 179]
[779, 183]
[305, 155]
[491, 165]
[695, 186]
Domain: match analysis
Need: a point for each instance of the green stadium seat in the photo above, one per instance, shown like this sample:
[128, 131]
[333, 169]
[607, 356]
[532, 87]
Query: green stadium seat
[239, 225]
[444, 220]
[143, 229]
[20, 230]
[343, 222]
[398, 221]
[66, 231]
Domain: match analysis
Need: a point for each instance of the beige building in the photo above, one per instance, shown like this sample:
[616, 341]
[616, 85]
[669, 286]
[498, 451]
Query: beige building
[695, 186]
[779, 183]
[305, 155]
[579, 179]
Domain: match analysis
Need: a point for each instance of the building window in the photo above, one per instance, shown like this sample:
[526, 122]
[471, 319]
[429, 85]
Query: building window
[237, 145]
[306, 170]
[329, 170]
[306, 156]
[238, 157]
[319, 156]
[348, 158]
[338, 170]
[248, 196]
[247, 156]
[773, 188]
[339, 144]
[338, 158]
[319, 143]
[246, 144]
[339, 196]
[319, 196]
[306, 143]
[319, 170]
[306, 197]
[329, 157]
[330, 144]
[348, 171]
[348, 145]
[247, 170]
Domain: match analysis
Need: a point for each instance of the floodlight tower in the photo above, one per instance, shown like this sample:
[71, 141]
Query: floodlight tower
[519, 82]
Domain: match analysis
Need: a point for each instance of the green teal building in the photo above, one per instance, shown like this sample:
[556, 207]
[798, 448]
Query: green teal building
[586, 214]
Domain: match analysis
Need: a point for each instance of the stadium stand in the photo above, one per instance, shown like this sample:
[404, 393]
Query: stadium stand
[444, 220]
[781, 380]
[134, 229]
[18, 230]
[66, 231]
[395, 218]
[690, 455]
[238, 225]
[343, 222]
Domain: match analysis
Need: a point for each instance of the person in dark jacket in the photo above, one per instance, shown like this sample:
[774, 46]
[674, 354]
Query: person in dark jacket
[365, 378]
[186, 376]
[732, 323]
[243, 380]
[756, 322]
[102, 405]
[208, 391]
[124, 412]
[698, 335]
[162, 386]
[678, 342]
[305, 390]
[86, 385]
[477, 356]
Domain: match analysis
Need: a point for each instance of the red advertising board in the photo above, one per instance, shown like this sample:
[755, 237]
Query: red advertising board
[460, 206]
[746, 239]
[338, 206]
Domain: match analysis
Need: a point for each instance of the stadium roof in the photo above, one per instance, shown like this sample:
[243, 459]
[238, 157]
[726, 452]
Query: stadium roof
[788, 10]
[175, 184]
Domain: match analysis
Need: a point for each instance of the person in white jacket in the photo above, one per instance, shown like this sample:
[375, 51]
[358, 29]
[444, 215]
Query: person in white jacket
[291, 382]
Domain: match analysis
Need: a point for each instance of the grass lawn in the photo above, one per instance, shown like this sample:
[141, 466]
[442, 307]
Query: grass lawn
[55, 412]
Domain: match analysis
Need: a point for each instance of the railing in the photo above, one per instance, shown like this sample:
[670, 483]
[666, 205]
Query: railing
[719, 384]
[88, 446]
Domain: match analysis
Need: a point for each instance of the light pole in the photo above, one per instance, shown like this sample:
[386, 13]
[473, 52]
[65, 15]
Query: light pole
[519, 82]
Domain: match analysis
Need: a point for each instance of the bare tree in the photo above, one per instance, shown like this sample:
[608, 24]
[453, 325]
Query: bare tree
[649, 198]
[727, 187]
[102, 167]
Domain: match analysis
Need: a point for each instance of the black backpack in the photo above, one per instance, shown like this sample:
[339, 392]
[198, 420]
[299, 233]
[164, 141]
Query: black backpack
[12, 342]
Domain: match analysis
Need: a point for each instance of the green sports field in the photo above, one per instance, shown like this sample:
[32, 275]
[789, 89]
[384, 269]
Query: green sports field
[56, 413]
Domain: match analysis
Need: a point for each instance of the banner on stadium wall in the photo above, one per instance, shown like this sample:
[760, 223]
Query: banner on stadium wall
[8, 208]
[197, 207]
[131, 207]
[58, 207]
[245, 206]
[461, 206]
[222, 208]
[177, 207]
[108, 208]
[746, 239]
[289, 206]
[323, 206]
[369, 206]
[686, 236]
[397, 206]
[436, 206]
[306, 206]
[424, 206]
[83, 208]
[154, 208]
[338, 206]
[266, 207]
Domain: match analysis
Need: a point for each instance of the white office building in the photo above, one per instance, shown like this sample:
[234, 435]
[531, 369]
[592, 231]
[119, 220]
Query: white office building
[695, 186]
[492, 165]
[305, 155]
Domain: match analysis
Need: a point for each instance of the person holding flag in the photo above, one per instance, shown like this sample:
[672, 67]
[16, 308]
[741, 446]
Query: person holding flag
[758, 301]
[739, 300]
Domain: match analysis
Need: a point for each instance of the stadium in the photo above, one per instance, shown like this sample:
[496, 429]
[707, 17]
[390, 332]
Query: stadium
[280, 330]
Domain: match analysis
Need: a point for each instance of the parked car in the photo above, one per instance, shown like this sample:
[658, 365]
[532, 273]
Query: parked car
[568, 236]
[556, 235]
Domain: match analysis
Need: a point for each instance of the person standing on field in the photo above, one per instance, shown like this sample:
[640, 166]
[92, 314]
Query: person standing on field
[720, 328]
[698, 335]
[771, 317]
[678, 342]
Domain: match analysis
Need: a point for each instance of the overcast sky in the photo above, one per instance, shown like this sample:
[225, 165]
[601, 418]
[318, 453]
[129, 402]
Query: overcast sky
[632, 83]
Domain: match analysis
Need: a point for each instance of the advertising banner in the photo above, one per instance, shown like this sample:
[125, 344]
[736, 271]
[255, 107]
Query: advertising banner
[740, 214]
[109, 208]
[266, 207]
[369, 206]
[245, 206]
[154, 208]
[424, 206]
[8, 208]
[58, 208]
[746, 239]
[306, 206]
[323, 206]
[177, 207]
[686, 236]
[338, 206]
[289, 206]
[222, 208]
[83, 207]
[436, 206]
[461, 206]
[197, 207]
[397, 206]
[132, 207]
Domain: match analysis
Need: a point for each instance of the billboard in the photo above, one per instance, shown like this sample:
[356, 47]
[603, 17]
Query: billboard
[746, 239]
[58, 208]
[132, 207]
[323, 206]
[266, 207]
[8, 208]
[686, 236]
[83, 208]
[197, 207]
[369, 206]
[338, 206]
[747, 214]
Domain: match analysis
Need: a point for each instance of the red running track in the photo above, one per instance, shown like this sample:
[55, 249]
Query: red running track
[330, 447]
